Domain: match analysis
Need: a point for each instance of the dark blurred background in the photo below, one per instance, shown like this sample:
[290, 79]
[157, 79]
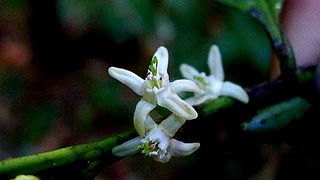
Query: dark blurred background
[55, 90]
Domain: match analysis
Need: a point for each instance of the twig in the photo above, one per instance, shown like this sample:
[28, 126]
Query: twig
[82, 161]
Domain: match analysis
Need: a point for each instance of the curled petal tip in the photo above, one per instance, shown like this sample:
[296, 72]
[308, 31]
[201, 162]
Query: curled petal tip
[235, 91]
[128, 78]
[177, 106]
[162, 55]
[164, 159]
[245, 99]
[162, 48]
[214, 48]
[112, 71]
[179, 148]
[215, 63]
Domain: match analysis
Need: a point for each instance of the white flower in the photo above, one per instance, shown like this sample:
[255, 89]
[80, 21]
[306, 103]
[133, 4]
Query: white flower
[213, 85]
[158, 142]
[156, 89]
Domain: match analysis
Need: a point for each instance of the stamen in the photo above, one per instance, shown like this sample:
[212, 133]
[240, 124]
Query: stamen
[149, 148]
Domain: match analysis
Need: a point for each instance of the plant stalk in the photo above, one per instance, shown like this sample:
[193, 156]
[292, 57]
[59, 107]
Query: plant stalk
[84, 161]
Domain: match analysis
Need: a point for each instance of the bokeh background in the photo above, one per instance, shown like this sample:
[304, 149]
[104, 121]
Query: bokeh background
[55, 90]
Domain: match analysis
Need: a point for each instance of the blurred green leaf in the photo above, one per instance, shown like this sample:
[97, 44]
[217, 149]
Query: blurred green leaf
[305, 76]
[220, 103]
[277, 116]
[13, 84]
[38, 119]
[266, 11]
[251, 52]
[85, 114]
[120, 20]
[15, 4]
[104, 95]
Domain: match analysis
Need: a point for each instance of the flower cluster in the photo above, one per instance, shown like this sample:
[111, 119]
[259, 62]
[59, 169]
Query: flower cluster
[158, 141]
[156, 90]
[213, 85]
[154, 139]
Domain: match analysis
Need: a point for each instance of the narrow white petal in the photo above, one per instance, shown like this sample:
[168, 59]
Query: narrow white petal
[188, 71]
[149, 124]
[178, 148]
[215, 63]
[127, 148]
[235, 91]
[172, 124]
[199, 99]
[184, 85]
[163, 159]
[128, 78]
[177, 106]
[163, 58]
[143, 109]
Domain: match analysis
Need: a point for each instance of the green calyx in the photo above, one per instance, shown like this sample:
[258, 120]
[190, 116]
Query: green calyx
[157, 84]
[148, 147]
[153, 68]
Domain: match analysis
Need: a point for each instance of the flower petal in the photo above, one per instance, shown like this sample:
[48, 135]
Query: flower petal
[214, 63]
[143, 108]
[172, 124]
[127, 148]
[149, 124]
[178, 148]
[163, 58]
[184, 85]
[235, 91]
[128, 78]
[199, 99]
[176, 105]
[163, 159]
[188, 71]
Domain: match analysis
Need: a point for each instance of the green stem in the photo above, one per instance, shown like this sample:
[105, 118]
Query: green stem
[84, 161]
[267, 14]
[279, 41]
[286, 56]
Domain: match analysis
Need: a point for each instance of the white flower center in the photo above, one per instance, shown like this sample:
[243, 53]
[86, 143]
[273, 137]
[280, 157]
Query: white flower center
[215, 85]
